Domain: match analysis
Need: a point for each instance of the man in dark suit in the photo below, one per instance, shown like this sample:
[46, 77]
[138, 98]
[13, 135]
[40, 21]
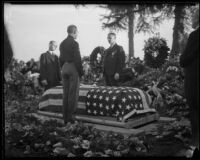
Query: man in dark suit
[72, 71]
[50, 75]
[114, 61]
[189, 60]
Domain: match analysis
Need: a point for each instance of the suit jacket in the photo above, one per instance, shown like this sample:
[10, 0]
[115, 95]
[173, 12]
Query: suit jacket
[189, 60]
[114, 60]
[50, 68]
[69, 52]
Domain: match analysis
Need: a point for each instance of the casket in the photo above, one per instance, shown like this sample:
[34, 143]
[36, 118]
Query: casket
[120, 103]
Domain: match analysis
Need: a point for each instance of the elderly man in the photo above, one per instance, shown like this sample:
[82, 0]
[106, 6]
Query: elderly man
[114, 61]
[72, 71]
[189, 60]
[50, 75]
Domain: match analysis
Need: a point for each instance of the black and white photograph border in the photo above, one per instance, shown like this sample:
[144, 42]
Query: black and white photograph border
[100, 79]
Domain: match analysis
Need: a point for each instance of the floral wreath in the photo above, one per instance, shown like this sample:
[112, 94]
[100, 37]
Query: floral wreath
[155, 52]
[94, 55]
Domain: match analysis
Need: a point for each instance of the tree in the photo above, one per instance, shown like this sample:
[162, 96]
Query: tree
[182, 25]
[134, 17]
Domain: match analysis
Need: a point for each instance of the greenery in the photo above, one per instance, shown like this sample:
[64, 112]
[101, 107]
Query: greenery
[25, 135]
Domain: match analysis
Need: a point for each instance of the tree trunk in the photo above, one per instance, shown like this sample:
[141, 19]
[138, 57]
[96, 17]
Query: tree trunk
[131, 35]
[178, 31]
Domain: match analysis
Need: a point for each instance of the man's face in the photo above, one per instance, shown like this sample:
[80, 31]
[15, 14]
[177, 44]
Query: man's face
[52, 46]
[111, 39]
[75, 35]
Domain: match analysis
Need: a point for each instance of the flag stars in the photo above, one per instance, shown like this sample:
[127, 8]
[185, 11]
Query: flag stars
[136, 106]
[95, 112]
[128, 107]
[112, 106]
[129, 97]
[103, 91]
[117, 91]
[88, 103]
[94, 104]
[110, 92]
[107, 107]
[100, 97]
[101, 113]
[95, 96]
[88, 96]
[120, 106]
[107, 98]
[89, 111]
[117, 112]
[124, 100]
[114, 97]
[100, 105]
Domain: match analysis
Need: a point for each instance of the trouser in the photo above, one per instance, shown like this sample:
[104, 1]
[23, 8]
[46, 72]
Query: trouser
[110, 80]
[70, 79]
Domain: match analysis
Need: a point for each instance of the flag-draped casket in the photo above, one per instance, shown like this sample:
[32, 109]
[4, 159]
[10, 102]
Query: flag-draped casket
[119, 102]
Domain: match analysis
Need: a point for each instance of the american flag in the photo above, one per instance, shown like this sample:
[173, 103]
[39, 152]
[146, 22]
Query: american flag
[119, 102]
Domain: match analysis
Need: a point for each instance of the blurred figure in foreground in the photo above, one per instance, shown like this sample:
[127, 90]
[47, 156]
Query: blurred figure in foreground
[189, 60]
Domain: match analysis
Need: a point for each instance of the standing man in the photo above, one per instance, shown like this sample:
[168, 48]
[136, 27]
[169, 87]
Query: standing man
[50, 75]
[72, 70]
[189, 60]
[114, 61]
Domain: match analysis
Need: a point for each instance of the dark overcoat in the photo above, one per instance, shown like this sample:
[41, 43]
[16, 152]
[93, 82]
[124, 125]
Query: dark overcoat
[50, 69]
[114, 60]
[189, 60]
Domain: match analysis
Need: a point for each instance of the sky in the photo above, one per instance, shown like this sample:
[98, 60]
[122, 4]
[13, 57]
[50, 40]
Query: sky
[31, 27]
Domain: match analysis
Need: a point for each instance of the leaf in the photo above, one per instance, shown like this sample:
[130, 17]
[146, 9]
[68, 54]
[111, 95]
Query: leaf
[36, 145]
[48, 143]
[109, 152]
[59, 144]
[125, 151]
[71, 155]
[85, 144]
[61, 151]
[105, 155]
[88, 154]
[116, 154]
[165, 133]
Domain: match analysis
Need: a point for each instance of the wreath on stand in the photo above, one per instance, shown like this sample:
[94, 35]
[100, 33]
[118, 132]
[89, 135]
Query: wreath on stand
[96, 62]
[155, 52]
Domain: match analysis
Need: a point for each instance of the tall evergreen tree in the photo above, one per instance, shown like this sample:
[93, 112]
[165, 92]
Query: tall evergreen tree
[135, 18]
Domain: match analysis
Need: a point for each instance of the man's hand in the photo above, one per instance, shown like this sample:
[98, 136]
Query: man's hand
[116, 76]
[44, 82]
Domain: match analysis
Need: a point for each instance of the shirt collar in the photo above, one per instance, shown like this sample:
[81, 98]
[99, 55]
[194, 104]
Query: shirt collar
[51, 52]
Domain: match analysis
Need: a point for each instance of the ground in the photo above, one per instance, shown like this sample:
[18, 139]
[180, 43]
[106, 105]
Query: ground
[161, 139]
